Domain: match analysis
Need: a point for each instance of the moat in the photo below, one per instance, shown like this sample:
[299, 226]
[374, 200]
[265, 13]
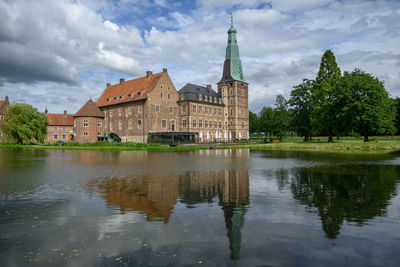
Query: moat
[208, 207]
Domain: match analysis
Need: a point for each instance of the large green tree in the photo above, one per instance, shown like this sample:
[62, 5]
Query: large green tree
[302, 107]
[365, 105]
[266, 118]
[326, 82]
[281, 117]
[253, 122]
[24, 123]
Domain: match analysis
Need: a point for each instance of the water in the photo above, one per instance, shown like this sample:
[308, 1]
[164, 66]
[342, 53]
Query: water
[211, 207]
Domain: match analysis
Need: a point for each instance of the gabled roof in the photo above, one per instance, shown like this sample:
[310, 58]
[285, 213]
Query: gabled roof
[128, 91]
[60, 119]
[191, 92]
[90, 109]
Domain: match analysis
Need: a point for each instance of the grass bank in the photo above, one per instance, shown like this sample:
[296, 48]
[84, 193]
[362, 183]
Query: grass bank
[345, 144]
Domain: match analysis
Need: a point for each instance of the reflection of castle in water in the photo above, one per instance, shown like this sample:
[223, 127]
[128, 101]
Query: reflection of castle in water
[156, 195]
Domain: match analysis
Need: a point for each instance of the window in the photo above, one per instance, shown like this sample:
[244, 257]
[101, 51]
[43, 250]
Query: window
[231, 101]
[194, 108]
[55, 136]
[171, 109]
[99, 123]
[164, 123]
[205, 123]
[140, 109]
[98, 133]
[194, 124]
[120, 125]
[86, 133]
[129, 110]
[206, 97]
[161, 95]
[129, 96]
[220, 101]
[242, 112]
[210, 110]
[120, 98]
[200, 123]
[63, 128]
[85, 123]
[215, 111]
[242, 124]
[183, 123]
[184, 109]
[55, 128]
[215, 99]
[206, 110]
[231, 92]
[120, 112]
[219, 111]
[215, 125]
[130, 124]
[210, 124]
[220, 124]
[139, 124]
[200, 109]
[231, 112]
[115, 99]
[108, 100]
[111, 112]
[199, 96]
[169, 95]
[181, 97]
[157, 108]
[138, 94]
[64, 136]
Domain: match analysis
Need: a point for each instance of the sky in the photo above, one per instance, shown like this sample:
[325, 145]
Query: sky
[58, 54]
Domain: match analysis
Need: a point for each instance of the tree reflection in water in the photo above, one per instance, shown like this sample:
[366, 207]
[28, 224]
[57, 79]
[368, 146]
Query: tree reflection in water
[156, 195]
[355, 193]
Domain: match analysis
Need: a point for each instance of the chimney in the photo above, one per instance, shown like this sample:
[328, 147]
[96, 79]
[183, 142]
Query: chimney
[148, 73]
[6, 98]
[165, 70]
[209, 86]
[121, 81]
[108, 84]
[65, 114]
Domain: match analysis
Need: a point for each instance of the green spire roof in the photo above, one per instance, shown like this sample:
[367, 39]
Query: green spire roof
[233, 66]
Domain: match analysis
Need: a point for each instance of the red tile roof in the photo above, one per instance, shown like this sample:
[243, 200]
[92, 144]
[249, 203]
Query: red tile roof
[60, 119]
[128, 90]
[90, 109]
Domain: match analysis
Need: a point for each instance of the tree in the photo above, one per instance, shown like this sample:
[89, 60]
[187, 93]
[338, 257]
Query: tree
[324, 113]
[266, 119]
[301, 101]
[281, 117]
[397, 102]
[24, 123]
[253, 122]
[365, 104]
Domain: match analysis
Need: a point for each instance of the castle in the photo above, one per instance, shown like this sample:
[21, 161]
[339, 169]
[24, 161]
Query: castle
[150, 109]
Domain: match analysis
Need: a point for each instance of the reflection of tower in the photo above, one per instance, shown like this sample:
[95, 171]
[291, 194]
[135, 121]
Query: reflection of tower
[234, 199]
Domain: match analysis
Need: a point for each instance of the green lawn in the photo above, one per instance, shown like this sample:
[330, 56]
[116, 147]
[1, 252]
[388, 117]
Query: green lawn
[345, 144]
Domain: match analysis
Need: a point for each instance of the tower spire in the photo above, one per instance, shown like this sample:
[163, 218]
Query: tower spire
[232, 66]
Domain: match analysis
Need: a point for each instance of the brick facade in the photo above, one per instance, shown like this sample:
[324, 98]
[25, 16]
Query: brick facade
[88, 129]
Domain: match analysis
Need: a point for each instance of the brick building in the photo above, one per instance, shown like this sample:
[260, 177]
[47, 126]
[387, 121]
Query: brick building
[3, 110]
[89, 123]
[135, 108]
[60, 128]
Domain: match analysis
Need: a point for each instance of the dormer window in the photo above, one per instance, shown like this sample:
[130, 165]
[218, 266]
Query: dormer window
[138, 94]
[215, 99]
[115, 99]
[108, 100]
[120, 98]
[220, 100]
[205, 98]
[181, 97]
[129, 96]
[200, 97]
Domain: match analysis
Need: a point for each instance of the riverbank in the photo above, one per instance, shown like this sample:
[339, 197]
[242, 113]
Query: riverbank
[345, 145]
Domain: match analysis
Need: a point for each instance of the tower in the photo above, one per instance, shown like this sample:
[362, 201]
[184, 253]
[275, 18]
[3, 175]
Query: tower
[233, 89]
